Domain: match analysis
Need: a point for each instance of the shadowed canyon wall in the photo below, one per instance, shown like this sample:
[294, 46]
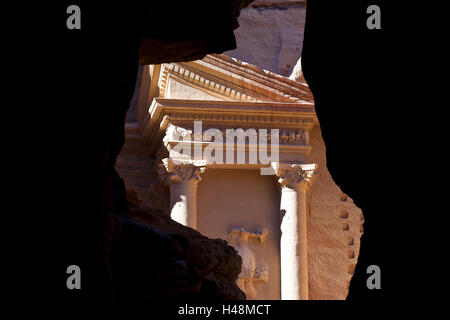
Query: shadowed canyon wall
[89, 92]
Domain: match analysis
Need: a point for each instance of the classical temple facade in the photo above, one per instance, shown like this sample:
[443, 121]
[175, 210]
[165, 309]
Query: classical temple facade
[236, 153]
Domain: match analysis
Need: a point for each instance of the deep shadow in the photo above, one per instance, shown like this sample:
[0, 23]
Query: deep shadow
[352, 75]
[86, 80]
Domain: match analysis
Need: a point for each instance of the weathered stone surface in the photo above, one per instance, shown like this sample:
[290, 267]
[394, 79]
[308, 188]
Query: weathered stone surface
[334, 231]
[155, 258]
[271, 35]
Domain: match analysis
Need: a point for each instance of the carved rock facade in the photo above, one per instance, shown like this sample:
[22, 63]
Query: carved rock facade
[289, 261]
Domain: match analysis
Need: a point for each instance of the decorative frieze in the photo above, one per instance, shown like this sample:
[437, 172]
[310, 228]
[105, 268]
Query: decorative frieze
[286, 136]
[294, 136]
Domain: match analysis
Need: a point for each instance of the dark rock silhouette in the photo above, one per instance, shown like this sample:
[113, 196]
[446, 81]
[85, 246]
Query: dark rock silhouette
[155, 258]
[88, 95]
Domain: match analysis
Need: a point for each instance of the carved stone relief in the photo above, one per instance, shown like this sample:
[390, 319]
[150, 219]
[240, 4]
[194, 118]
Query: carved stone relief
[294, 175]
[251, 271]
[184, 172]
[286, 136]
[176, 133]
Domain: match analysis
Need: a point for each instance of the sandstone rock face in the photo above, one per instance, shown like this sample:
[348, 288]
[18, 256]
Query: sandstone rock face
[335, 225]
[270, 35]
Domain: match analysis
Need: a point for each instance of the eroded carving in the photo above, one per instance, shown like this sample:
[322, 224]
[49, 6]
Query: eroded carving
[250, 272]
[180, 171]
[176, 133]
[296, 136]
[295, 175]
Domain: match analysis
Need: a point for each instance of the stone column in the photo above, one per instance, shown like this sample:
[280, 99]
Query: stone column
[294, 180]
[182, 180]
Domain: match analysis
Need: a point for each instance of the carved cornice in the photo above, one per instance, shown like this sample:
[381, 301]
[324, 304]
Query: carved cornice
[294, 90]
[222, 76]
[219, 87]
[261, 120]
[163, 80]
[276, 113]
[228, 114]
[294, 175]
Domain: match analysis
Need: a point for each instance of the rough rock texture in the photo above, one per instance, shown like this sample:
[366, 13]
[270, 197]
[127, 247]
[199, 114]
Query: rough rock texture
[334, 231]
[155, 258]
[271, 35]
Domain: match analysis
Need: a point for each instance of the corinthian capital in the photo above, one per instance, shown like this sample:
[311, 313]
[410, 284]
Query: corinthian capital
[294, 175]
[183, 171]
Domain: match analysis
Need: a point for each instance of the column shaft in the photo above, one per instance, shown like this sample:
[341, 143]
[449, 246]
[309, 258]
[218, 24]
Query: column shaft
[183, 201]
[294, 264]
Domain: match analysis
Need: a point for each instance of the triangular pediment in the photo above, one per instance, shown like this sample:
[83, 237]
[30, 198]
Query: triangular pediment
[220, 92]
[219, 77]
[178, 88]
